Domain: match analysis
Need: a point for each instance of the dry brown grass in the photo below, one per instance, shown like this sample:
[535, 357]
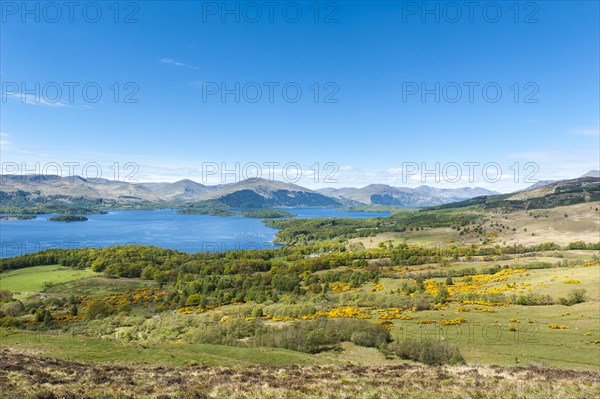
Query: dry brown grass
[28, 375]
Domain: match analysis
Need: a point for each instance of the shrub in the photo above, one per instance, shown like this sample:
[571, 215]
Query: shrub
[9, 322]
[575, 296]
[314, 336]
[421, 302]
[257, 311]
[99, 310]
[5, 296]
[372, 336]
[13, 308]
[194, 300]
[432, 353]
[532, 299]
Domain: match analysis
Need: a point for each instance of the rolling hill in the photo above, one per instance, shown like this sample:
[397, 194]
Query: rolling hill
[549, 195]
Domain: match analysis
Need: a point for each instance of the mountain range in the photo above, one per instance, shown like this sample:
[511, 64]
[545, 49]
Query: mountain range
[250, 193]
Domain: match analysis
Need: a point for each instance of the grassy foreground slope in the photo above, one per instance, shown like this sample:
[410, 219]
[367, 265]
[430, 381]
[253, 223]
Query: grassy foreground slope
[26, 375]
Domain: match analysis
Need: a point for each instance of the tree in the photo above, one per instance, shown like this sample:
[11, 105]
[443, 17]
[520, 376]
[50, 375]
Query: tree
[449, 281]
[194, 300]
[48, 319]
[443, 295]
[257, 311]
[74, 310]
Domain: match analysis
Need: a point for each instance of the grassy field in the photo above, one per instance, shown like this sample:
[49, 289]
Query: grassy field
[72, 347]
[486, 338]
[562, 225]
[99, 286]
[37, 279]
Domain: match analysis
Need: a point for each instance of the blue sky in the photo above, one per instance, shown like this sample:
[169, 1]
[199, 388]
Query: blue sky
[369, 62]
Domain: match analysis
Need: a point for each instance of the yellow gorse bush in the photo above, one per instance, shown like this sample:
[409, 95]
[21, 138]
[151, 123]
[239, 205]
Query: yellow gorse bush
[478, 281]
[339, 286]
[555, 326]
[345, 312]
[387, 324]
[452, 322]
[377, 287]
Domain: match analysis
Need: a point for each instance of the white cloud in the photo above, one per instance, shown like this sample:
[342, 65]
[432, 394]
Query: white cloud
[8, 146]
[5, 143]
[34, 99]
[171, 61]
[534, 156]
[585, 132]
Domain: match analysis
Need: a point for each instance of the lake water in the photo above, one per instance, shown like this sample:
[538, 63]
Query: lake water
[162, 228]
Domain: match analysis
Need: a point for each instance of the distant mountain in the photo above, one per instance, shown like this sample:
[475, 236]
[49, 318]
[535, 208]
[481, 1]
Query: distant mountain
[31, 190]
[76, 186]
[382, 194]
[180, 190]
[263, 193]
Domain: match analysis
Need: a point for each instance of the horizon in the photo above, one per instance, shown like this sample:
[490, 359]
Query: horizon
[228, 183]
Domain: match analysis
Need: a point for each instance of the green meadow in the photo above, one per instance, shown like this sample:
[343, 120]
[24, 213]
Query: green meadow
[38, 278]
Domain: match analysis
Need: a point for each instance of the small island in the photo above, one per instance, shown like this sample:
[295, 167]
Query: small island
[203, 211]
[259, 214]
[268, 214]
[68, 218]
[17, 217]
